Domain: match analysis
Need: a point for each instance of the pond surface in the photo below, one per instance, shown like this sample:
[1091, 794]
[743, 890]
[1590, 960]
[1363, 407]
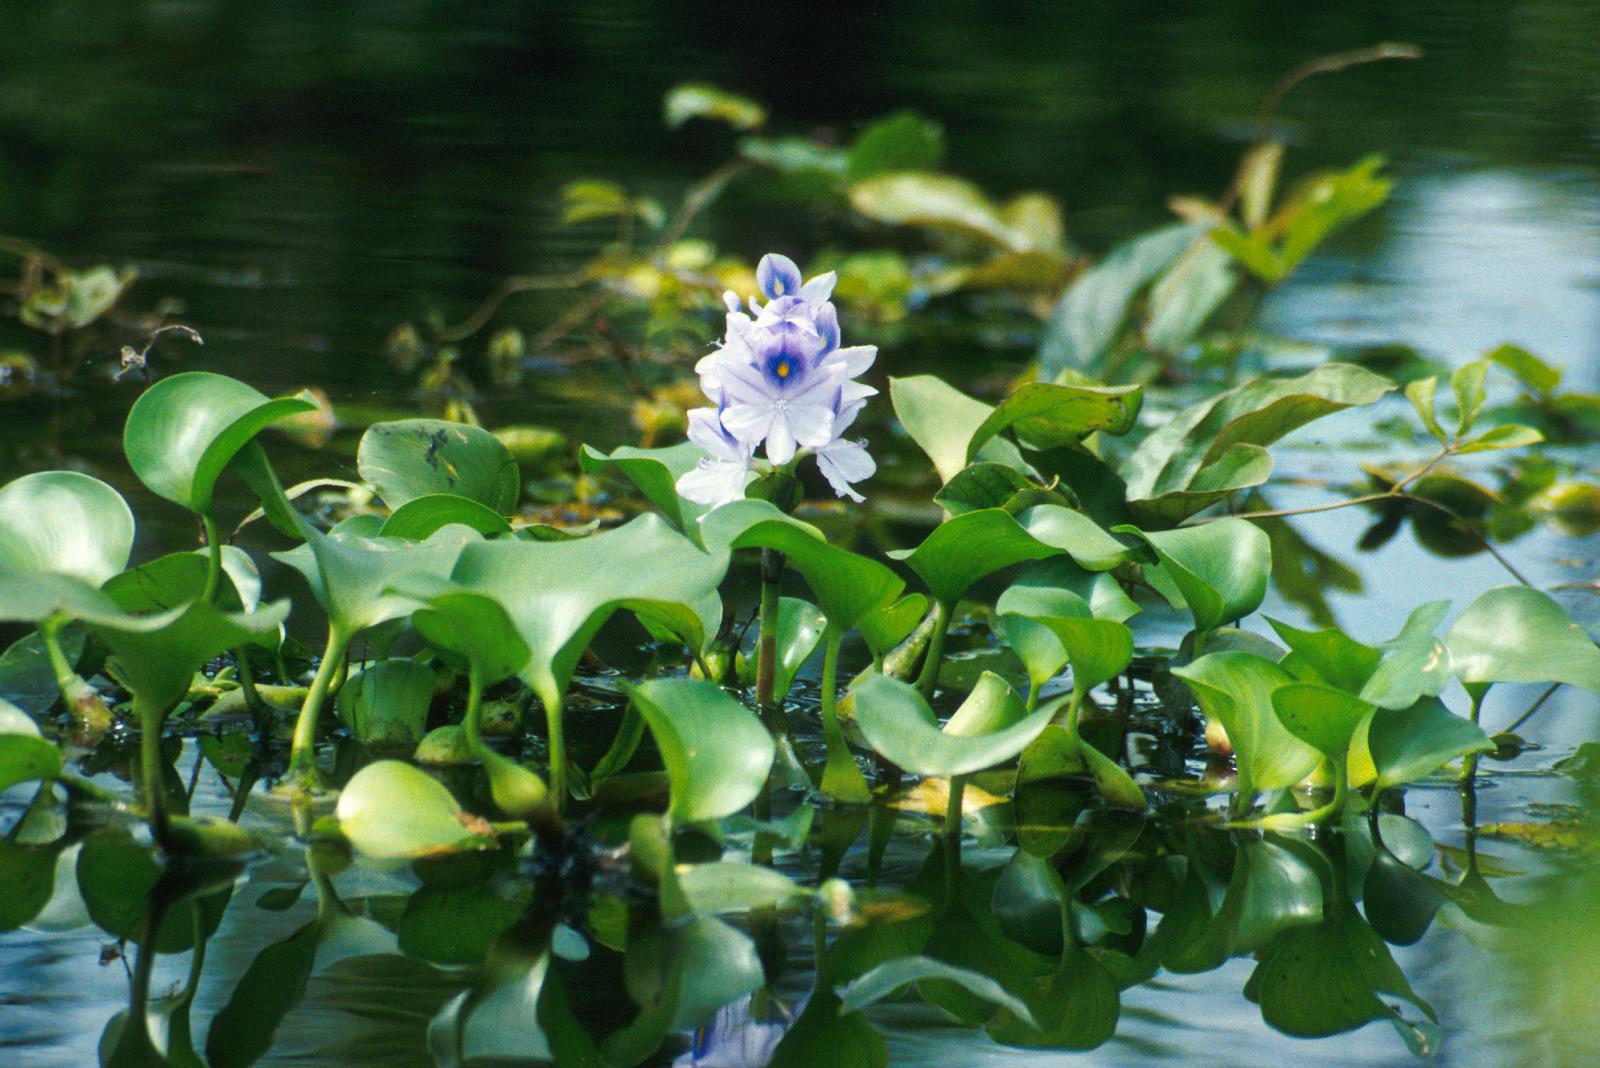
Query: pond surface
[304, 177]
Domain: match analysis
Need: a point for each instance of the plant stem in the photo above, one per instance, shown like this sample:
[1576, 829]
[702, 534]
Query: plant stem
[471, 724]
[558, 752]
[89, 713]
[1469, 764]
[767, 649]
[929, 679]
[208, 595]
[952, 840]
[1069, 719]
[152, 770]
[303, 749]
[830, 678]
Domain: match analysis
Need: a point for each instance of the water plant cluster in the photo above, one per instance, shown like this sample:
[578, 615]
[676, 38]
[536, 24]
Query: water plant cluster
[713, 781]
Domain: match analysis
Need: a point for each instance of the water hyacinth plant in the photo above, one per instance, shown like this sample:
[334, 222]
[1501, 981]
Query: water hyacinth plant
[710, 772]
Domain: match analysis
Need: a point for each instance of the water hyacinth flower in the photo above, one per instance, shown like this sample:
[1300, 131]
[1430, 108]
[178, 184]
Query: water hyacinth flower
[780, 380]
[734, 1039]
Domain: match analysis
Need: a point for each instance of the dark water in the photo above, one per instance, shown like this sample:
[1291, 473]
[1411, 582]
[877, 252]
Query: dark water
[305, 176]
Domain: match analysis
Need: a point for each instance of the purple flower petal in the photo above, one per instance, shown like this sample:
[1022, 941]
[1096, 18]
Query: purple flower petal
[777, 276]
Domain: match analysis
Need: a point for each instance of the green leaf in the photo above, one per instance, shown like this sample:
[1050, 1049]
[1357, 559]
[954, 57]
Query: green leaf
[1236, 688]
[716, 752]
[726, 887]
[1334, 657]
[936, 202]
[1506, 436]
[25, 756]
[243, 1031]
[158, 655]
[848, 587]
[1045, 415]
[886, 627]
[964, 549]
[655, 473]
[697, 100]
[559, 593]
[27, 871]
[354, 577]
[1188, 295]
[1413, 664]
[117, 878]
[1517, 634]
[942, 420]
[982, 485]
[1326, 979]
[1079, 1004]
[1056, 753]
[1324, 718]
[390, 810]
[183, 431]
[454, 925]
[1319, 206]
[1531, 371]
[1089, 317]
[1467, 383]
[1221, 567]
[65, 523]
[421, 517]
[387, 703]
[1075, 534]
[891, 977]
[992, 723]
[824, 1035]
[1258, 412]
[412, 458]
[800, 626]
[904, 141]
[1420, 393]
[1043, 588]
[1411, 743]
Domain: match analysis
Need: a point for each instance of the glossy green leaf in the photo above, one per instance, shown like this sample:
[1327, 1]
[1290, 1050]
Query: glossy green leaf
[1186, 297]
[1090, 315]
[559, 593]
[983, 485]
[1028, 902]
[472, 629]
[1321, 716]
[1467, 383]
[387, 703]
[183, 432]
[275, 982]
[421, 517]
[1505, 436]
[25, 756]
[937, 202]
[1531, 371]
[898, 723]
[1256, 413]
[886, 627]
[1236, 688]
[891, 977]
[1411, 743]
[1320, 205]
[716, 751]
[824, 1035]
[27, 871]
[412, 458]
[1221, 568]
[390, 810]
[942, 420]
[847, 586]
[728, 887]
[1421, 395]
[964, 549]
[1413, 664]
[655, 473]
[117, 877]
[1075, 534]
[158, 655]
[454, 925]
[1045, 415]
[1056, 752]
[66, 523]
[1043, 588]
[800, 626]
[1518, 634]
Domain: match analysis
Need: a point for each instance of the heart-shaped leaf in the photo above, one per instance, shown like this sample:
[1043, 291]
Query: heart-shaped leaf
[716, 752]
[420, 517]
[655, 473]
[847, 586]
[1043, 588]
[888, 626]
[963, 550]
[991, 727]
[1220, 568]
[1075, 534]
[800, 627]
[1324, 718]
[183, 432]
[942, 420]
[66, 523]
[1518, 634]
[1045, 415]
[412, 458]
[386, 703]
[559, 593]
[390, 810]
[1236, 688]
[1412, 743]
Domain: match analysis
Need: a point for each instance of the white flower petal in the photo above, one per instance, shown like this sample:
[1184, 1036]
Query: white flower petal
[780, 439]
[843, 462]
[811, 424]
[714, 482]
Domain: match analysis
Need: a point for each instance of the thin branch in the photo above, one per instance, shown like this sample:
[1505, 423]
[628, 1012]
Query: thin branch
[508, 288]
